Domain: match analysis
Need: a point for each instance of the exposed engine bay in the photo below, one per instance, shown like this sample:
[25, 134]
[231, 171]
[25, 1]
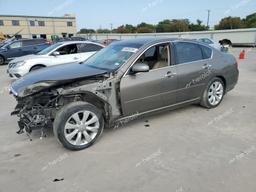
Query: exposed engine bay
[37, 112]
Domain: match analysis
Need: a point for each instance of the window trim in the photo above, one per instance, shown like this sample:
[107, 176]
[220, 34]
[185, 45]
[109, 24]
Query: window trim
[199, 44]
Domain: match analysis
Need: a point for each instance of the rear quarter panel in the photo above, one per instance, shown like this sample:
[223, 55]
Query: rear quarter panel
[225, 65]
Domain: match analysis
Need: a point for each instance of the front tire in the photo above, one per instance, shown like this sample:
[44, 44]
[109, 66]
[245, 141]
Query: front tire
[213, 94]
[78, 125]
[2, 60]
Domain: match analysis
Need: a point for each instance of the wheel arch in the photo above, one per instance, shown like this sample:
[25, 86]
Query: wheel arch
[37, 65]
[91, 98]
[224, 81]
[1, 55]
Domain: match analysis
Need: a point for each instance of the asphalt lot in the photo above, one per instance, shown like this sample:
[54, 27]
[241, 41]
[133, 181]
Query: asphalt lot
[187, 150]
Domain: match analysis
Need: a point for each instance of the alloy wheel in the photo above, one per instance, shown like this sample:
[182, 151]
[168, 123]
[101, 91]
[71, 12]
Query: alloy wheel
[81, 128]
[215, 93]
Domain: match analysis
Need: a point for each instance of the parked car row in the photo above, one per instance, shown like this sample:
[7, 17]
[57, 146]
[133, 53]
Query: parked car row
[17, 48]
[56, 54]
[126, 79]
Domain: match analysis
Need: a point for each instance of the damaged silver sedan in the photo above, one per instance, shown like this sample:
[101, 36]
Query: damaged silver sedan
[132, 77]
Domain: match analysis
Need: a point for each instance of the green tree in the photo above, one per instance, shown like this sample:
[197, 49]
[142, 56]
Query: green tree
[198, 26]
[146, 28]
[230, 23]
[250, 20]
[85, 31]
[179, 25]
[103, 31]
[125, 29]
[164, 26]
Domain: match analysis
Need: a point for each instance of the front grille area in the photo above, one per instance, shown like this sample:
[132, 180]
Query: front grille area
[11, 65]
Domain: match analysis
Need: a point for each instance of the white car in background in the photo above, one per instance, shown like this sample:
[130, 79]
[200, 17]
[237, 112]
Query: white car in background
[210, 42]
[56, 54]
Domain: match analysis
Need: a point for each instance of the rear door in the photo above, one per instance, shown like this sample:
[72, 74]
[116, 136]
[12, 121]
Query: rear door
[150, 90]
[193, 65]
[29, 47]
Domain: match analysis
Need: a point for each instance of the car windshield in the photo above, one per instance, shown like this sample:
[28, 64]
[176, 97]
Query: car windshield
[49, 49]
[6, 44]
[112, 57]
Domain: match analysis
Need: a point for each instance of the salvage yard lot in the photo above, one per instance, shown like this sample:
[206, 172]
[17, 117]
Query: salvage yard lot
[189, 149]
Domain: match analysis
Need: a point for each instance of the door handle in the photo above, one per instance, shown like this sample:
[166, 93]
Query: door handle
[170, 74]
[76, 58]
[206, 66]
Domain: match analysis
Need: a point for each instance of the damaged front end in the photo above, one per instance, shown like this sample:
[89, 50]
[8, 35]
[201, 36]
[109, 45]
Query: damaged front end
[36, 111]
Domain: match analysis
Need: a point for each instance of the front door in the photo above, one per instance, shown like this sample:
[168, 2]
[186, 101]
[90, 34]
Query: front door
[68, 54]
[148, 91]
[15, 50]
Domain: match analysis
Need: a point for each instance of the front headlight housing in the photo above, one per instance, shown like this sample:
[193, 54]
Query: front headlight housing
[20, 63]
[37, 88]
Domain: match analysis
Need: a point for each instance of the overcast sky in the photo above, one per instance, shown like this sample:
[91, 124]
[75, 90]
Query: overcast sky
[101, 13]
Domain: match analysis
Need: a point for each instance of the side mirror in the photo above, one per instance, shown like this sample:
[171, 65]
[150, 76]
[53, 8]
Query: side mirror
[56, 53]
[140, 68]
[8, 47]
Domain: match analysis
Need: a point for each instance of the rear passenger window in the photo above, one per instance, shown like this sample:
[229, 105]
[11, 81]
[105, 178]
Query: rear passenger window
[187, 52]
[207, 52]
[27, 43]
[89, 48]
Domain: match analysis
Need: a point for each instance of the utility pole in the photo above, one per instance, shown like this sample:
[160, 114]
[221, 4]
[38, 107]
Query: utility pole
[208, 18]
[111, 27]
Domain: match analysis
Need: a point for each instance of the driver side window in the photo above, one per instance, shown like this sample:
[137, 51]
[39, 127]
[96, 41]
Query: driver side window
[156, 57]
[68, 49]
[15, 45]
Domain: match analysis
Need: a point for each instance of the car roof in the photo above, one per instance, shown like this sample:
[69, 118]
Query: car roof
[83, 42]
[150, 40]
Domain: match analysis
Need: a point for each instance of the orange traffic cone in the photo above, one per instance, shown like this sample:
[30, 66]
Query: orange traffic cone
[242, 55]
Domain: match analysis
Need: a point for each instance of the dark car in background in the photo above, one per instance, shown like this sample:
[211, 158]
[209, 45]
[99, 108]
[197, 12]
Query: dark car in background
[21, 47]
[122, 81]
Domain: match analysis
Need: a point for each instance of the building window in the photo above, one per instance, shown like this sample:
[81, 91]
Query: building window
[43, 36]
[34, 36]
[69, 24]
[32, 23]
[41, 23]
[70, 35]
[1, 23]
[15, 22]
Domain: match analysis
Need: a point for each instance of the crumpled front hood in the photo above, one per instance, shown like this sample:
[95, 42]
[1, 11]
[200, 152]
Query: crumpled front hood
[54, 76]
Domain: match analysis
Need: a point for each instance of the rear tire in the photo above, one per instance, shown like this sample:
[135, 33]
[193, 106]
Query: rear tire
[78, 125]
[2, 60]
[213, 94]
